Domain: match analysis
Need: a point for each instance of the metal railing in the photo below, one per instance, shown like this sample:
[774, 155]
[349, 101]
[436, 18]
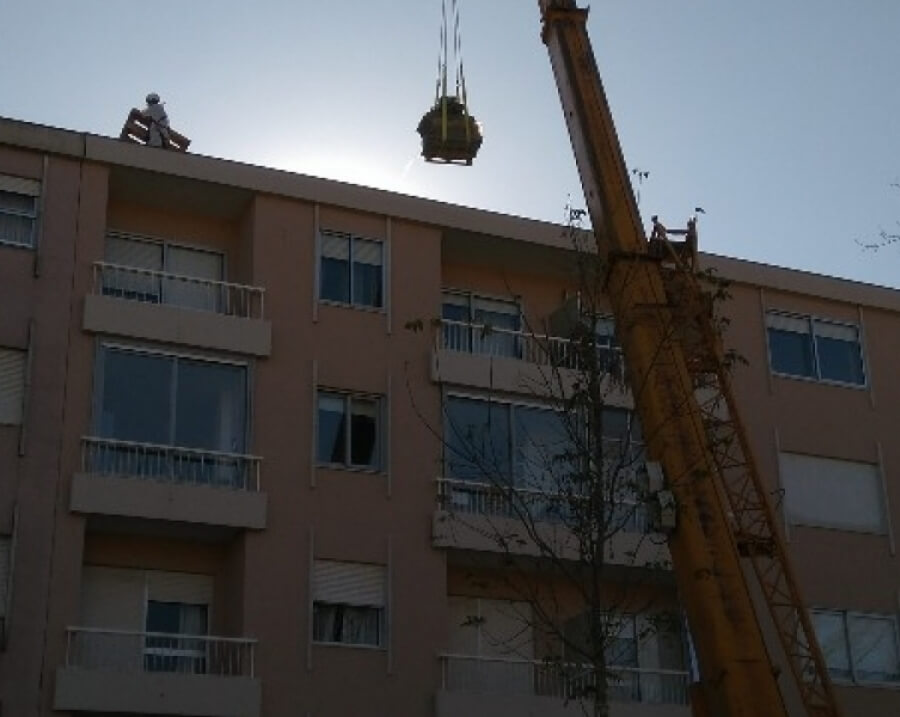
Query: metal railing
[131, 651]
[479, 498]
[189, 292]
[510, 676]
[539, 349]
[107, 456]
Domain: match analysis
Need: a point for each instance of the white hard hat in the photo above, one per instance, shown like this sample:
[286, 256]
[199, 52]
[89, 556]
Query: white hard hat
[152, 98]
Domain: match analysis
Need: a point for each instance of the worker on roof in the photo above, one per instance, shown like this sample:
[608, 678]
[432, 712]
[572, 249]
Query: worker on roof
[158, 121]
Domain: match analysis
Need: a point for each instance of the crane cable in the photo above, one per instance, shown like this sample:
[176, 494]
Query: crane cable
[459, 74]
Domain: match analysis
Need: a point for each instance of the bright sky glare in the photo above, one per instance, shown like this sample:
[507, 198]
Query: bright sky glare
[782, 120]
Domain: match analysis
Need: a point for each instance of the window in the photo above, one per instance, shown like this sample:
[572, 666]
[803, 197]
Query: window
[811, 348]
[832, 493]
[649, 647]
[349, 432]
[491, 443]
[162, 257]
[349, 603]
[175, 650]
[178, 401]
[351, 270]
[529, 444]
[18, 210]
[858, 647]
[481, 325]
[12, 385]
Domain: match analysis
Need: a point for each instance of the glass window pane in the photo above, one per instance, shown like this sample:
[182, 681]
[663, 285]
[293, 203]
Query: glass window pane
[839, 360]
[477, 440]
[543, 459]
[829, 628]
[873, 645]
[364, 432]
[332, 429]
[198, 264]
[136, 403]
[335, 278]
[163, 616]
[211, 406]
[16, 203]
[791, 353]
[498, 318]
[367, 272]
[16, 229]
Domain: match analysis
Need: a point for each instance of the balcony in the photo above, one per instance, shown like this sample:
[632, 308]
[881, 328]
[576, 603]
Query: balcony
[157, 673]
[486, 686]
[487, 357]
[481, 516]
[161, 306]
[168, 484]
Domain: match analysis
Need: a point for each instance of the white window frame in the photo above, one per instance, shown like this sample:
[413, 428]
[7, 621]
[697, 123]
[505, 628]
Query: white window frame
[811, 321]
[25, 188]
[845, 616]
[382, 610]
[352, 239]
[380, 430]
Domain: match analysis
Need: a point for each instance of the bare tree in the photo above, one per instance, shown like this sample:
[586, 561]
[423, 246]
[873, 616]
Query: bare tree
[560, 490]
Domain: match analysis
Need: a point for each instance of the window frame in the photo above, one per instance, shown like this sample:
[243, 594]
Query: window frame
[352, 239]
[811, 321]
[846, 616]
[36, 198]
[510, 406]
[380, 438]
[382, 610]
[99, 380]
[883, 530]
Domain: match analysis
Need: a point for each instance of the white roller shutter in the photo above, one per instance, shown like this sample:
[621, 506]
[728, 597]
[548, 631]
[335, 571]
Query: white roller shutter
[336, 246]
[12, 385]
[832, 493]
[112, 598]
[141, 254]
[187, 588]
[349, 583]
[787, 323]
[843, 332]
[20, 185]
[5, 545]
[367, 251]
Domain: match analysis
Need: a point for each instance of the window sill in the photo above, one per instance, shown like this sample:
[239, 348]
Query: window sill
[825, 382]
[16, 245]
[350, 469]
[840, 682]
[354, 307]
[351, 645]
[880, 533]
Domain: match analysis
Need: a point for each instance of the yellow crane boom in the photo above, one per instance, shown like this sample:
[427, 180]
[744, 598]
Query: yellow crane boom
[726, 529]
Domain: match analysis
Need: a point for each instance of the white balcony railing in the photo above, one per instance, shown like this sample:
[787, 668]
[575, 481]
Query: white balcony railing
[106, 456]
[126, 651]
[539, 349]
[189, 292]
[479, 498]
[506, 676]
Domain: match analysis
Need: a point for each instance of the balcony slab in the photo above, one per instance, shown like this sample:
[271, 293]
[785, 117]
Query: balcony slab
[123, 496]
[104, 691]
[475, 704]
[175, 325]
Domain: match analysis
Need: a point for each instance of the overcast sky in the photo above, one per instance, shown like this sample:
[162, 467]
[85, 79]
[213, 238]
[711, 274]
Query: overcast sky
[781, 119]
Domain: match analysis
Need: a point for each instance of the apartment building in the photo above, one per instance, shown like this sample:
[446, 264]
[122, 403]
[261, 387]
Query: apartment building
[223, 484]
